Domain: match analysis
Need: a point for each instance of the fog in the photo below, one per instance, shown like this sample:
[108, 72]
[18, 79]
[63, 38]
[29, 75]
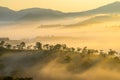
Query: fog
[43, 66]
[104, 35]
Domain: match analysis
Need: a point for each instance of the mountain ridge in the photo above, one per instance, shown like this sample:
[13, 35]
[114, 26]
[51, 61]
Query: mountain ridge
[33, 14]
[100, 10]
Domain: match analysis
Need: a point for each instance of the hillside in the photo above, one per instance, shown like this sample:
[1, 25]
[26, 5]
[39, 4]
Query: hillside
[59, 65]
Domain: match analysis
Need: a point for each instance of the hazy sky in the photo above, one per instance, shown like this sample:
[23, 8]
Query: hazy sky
[62, 5]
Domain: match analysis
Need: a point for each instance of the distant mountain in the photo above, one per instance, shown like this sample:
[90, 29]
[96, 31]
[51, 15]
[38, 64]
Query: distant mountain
[34, 14]
[31, 14]
[39, 14]
[106, 9]
[96, 20]
[6, 14]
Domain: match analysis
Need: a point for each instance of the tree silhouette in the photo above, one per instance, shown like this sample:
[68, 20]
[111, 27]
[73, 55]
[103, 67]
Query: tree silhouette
[64, 46]
[91, 51]
[79, 49]
[112, 52]
[57, 47]
[85, 51]
[102, 53]
[2, 43]
[18, 47]
[51, 47]
[22, 45]
[39, 45]
[8, 46]
[14, 47]
[46, 46]
[72, 49]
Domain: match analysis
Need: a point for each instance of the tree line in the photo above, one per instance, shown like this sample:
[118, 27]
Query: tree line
[62, 47]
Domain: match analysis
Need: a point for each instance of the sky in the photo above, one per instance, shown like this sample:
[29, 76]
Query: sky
[62, 5]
